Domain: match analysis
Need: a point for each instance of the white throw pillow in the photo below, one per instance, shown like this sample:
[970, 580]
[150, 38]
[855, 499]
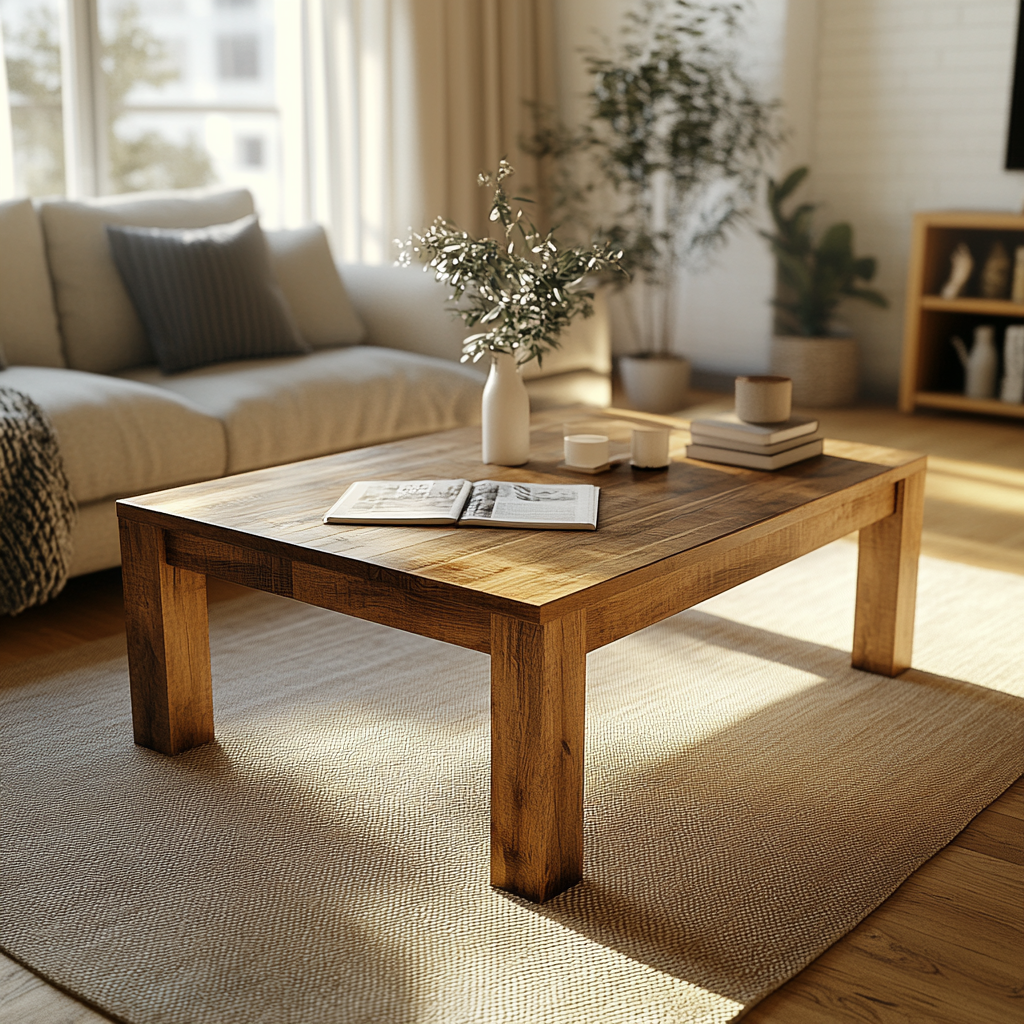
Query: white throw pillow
[305, 269]
[102, 331]
[29, 335]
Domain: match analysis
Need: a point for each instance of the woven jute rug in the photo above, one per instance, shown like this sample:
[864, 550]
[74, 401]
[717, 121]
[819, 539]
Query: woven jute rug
[749, 799]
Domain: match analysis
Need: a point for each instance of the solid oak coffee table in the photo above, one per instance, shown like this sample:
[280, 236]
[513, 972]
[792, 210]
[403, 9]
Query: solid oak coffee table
[536, 601]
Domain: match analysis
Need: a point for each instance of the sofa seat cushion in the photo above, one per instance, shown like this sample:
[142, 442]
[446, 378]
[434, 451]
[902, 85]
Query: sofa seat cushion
[118, 437]
[286, 409]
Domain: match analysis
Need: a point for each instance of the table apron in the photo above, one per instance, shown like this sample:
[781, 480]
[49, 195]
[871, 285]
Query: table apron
[696, 580]
[443, 613]
[430, 610]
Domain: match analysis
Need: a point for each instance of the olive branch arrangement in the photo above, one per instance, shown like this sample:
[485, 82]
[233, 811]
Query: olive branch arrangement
[523, 291]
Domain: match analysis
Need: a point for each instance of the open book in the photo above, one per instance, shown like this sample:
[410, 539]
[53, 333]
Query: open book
[484, 503]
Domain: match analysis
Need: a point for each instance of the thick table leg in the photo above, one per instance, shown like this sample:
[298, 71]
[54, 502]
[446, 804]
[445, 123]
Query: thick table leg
[883, 630]
[168, 645]
[538, 681]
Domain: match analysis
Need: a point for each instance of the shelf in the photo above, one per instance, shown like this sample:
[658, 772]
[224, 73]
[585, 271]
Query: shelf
[947, 400]
[931, 375]
[967, 220]
[984, 307]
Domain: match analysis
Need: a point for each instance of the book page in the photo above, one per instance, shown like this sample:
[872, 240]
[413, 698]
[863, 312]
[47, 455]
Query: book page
[492, 502]
[401, 500]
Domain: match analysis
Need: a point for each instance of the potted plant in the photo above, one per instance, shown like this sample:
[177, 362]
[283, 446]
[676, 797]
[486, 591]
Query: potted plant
[523, 290]
[812, 281]
[666, 164]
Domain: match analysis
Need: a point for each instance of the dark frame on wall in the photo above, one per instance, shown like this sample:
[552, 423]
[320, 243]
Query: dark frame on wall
[1015, 133]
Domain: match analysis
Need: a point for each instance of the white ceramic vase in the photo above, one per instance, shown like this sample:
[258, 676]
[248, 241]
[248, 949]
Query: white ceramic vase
[505, 421]
[981, 364]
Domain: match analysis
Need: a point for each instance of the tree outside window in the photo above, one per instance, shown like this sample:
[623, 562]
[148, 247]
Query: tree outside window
[33, 81]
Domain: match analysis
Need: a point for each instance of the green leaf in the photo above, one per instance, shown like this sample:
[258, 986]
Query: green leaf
[864, 268]
[780, 193]
[869, 295]
[837, 243]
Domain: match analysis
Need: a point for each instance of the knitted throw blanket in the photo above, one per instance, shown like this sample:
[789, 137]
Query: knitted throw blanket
[36, 507]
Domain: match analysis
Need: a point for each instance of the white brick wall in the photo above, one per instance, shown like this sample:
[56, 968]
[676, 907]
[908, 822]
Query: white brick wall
[911, 114]
[897, 105]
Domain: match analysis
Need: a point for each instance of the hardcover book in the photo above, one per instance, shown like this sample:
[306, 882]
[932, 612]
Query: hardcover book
[524, 506]
[699, 437]
[750, 460]
[732, 428]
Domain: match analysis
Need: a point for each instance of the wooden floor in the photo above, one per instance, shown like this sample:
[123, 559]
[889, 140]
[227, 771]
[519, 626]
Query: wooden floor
[948, 946]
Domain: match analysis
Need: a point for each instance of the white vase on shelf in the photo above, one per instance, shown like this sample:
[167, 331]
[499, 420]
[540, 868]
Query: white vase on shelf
[1012, 389]
[980, 364]
[505, 421]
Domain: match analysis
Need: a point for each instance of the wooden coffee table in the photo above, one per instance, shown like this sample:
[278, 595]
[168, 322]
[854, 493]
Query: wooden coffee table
[536, 601]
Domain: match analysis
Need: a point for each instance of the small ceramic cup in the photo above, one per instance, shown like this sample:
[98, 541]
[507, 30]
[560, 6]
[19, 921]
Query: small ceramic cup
[649, 447]
[586, 451]
[764, 399]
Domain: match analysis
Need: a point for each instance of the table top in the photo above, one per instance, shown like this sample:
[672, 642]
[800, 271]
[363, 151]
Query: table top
[645, 517]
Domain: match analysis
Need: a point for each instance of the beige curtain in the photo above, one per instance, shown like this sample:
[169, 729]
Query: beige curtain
[404, 102]
[479, 62]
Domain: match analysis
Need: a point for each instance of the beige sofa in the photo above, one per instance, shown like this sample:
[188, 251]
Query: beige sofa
[384, 363]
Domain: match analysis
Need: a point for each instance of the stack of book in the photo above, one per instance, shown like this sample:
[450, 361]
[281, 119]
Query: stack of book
[730, 440]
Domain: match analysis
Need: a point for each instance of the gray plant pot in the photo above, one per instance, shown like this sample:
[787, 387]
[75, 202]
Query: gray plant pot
[655, 383]
[823, 370]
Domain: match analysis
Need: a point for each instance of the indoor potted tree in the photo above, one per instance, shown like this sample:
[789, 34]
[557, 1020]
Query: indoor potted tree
[523, 291]
[666, 164]
[812, 281]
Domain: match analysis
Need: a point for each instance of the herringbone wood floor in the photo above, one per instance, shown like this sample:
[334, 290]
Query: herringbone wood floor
[948, 946]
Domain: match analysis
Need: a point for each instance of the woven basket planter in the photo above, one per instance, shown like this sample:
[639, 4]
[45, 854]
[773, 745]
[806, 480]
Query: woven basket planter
[823, 370]
[655, 383]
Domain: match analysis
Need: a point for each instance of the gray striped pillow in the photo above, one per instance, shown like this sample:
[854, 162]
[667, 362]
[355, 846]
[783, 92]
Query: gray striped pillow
[205, 295]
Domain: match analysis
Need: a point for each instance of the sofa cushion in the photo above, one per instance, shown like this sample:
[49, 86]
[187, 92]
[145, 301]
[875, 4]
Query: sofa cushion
[118, 437]
[28, 319]
[101, 330]
[305, 269]
[205, 295]
[282, 410]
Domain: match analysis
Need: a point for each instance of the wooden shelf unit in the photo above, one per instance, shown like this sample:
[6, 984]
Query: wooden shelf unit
[932, 376]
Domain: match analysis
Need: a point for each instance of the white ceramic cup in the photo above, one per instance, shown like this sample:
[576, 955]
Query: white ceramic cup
[649, 447]
[764, 399]
[586, 451]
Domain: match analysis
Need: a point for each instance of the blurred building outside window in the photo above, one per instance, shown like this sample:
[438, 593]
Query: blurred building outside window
[238, 56]
[250, 150]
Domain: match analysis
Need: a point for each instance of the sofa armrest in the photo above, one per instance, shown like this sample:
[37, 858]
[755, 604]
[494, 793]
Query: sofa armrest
[404, 308]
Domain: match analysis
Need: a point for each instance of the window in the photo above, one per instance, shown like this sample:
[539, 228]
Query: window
[238, 56]
[183, 103]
